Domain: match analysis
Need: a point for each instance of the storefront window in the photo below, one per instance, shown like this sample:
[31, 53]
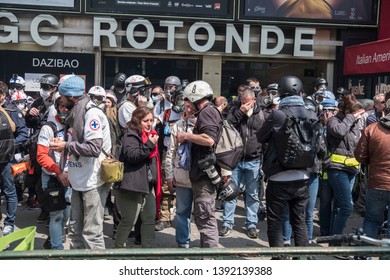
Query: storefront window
[156, 69]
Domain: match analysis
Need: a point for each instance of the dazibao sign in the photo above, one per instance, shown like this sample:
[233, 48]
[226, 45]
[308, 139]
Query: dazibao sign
[368, 58]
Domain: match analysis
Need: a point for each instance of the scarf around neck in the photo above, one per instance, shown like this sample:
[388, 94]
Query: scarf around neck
[76, 120]
[158, 186]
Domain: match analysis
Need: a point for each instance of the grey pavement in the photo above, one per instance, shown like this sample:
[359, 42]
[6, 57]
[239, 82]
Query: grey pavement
[166, 238]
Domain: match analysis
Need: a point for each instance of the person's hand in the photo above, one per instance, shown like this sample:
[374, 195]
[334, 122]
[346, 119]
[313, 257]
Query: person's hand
[226, 179]
[142, 101]
[57, 145]
[171, 186]
[153, 138]
[33, 111]
[358, 114]
[63, 177]
[181, 137]
[246, 107]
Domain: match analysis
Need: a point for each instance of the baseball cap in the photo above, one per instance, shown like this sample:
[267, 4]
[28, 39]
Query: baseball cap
[72, 86]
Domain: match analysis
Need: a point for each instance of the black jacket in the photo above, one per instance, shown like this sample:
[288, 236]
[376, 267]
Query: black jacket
[135, 156]
[270, 132]
[248, 128]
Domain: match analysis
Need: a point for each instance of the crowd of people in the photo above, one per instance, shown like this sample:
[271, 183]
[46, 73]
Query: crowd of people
[163, 133]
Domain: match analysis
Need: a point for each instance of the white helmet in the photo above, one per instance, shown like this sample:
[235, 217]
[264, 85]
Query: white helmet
[134, 83]
[97, 91]
[110, 94]
[17, 81]
[196, 91]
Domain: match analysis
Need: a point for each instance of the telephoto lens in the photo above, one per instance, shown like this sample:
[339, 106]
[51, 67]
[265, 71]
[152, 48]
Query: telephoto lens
[213, 175]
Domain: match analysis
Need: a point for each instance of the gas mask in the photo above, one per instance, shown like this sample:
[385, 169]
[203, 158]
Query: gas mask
[99, 101]
[178, 103]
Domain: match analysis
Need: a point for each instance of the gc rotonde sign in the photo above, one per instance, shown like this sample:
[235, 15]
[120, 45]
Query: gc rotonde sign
[303, 36]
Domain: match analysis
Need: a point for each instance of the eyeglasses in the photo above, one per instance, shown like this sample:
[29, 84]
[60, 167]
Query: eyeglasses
[46, 87]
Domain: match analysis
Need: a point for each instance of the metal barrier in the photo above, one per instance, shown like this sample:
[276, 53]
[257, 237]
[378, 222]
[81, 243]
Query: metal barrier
[197, 253]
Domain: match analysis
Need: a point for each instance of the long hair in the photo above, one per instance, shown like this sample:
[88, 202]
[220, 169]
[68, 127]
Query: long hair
[350, 104]
[136, 118]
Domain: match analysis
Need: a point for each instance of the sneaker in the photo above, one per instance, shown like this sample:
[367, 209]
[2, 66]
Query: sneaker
[7, 230]
[225, 231]
[251, 232]
[162, 225]
[43, 217]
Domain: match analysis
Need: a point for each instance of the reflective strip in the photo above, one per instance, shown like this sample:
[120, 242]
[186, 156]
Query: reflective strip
[347, 161]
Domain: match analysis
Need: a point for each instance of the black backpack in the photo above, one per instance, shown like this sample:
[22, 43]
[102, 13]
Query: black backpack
[33, 146]
[298, 145]
[7, 142]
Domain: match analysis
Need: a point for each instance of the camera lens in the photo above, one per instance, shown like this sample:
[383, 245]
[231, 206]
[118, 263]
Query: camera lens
[213, 175]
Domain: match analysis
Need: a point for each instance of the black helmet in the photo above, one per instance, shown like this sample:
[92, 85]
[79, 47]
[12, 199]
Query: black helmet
[342, 91]
[319, 81]
[228, 191]
[49, 79]
[119, 82]
[289, 85]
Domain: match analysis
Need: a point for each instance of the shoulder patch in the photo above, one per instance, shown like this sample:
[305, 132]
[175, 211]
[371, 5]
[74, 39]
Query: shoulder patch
[94, 124]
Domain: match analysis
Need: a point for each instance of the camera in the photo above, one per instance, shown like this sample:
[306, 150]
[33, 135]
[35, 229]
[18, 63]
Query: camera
[207, 165]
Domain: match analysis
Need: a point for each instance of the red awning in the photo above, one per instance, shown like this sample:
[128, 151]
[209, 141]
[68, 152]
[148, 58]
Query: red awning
[368, 58]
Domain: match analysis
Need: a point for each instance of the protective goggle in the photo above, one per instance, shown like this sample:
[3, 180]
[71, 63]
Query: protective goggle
[16, 86]
[98, 97]
[254, 88]
[46, 87]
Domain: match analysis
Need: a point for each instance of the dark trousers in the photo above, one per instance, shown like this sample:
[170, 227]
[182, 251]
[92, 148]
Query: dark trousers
[294, 195]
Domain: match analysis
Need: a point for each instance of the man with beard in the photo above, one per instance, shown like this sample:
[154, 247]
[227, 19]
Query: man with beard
[90, 139]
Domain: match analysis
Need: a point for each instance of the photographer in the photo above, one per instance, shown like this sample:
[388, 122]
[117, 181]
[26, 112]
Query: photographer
[203, 138]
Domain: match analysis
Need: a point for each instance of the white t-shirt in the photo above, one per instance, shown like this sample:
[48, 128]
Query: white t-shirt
[45, 136]
[84, 172]
[125, 112]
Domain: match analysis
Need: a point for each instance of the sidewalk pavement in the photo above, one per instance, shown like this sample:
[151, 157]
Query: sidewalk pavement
[166, 238]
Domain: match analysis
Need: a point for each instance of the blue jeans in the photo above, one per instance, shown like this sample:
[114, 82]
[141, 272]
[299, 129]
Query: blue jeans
[311, 202]
[341, 183]
[58, 219]
[328, 207]
[376, 203]
[9, 190]
[246, 173]
[184, 200]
